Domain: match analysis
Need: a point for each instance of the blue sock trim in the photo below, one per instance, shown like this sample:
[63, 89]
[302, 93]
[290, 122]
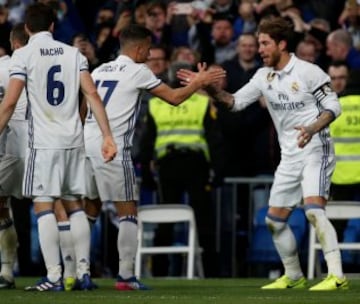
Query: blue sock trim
[6, 223]
[64, 227]
[75, 211]
[312, 206]
[128, 218]
[276, 218]
[42, 213]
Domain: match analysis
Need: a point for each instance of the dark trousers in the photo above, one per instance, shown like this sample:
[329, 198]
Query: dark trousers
[179, 173]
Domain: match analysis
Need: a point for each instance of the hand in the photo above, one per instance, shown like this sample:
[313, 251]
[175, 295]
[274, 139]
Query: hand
[204, 76]
[304, 137]
[108, 149]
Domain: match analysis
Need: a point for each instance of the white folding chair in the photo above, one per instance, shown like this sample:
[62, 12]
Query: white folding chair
[169, 213]
[335, 210]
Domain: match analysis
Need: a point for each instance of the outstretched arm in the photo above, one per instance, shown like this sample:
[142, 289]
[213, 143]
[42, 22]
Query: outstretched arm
[198, 80]
[221, 96]
[216, 93]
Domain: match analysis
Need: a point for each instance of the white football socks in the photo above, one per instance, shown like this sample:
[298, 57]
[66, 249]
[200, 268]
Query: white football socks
[67, 249]
[49, 244]
[80, 231]
[8, 245]
[127, 245]
[285, 243]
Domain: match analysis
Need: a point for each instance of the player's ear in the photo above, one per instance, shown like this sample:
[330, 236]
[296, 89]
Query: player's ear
[27, 30]
[282, 45]
[51, 28]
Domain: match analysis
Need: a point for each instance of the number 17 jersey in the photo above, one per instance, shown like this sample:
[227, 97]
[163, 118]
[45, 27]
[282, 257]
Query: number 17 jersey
[120, 84]
[51, 71]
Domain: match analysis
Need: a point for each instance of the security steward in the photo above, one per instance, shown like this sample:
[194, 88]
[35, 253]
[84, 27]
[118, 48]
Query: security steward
[187, 146]
[346, 135]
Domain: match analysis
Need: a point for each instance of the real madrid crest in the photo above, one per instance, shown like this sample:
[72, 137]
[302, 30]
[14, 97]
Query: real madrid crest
[294, 87]
[270, 76]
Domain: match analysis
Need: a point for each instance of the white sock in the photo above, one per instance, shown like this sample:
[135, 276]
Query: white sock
[327, 237]
[285, 243]
[8, 245]
[127, 245]
[80, 231]
[49, 244]
[67, 249]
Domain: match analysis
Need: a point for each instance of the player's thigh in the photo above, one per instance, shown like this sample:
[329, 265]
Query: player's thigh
[116, 180]
[317, 173]
[74, 163]
[286, 190]
[91, 190]
[54, 173]
[11, 175]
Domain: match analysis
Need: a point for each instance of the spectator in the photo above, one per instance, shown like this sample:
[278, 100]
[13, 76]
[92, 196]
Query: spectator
[187, 143]
[339, 75]
[346, 135]
[340, 48]
[306, 51]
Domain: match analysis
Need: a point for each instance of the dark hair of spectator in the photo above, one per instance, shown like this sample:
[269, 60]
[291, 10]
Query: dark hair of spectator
[39, 17]
[339, 63]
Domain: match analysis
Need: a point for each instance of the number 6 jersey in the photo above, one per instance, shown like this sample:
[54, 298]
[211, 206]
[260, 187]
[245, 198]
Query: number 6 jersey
[54, 121]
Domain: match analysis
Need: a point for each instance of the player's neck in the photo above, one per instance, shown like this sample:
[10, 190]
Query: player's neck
[284, 60]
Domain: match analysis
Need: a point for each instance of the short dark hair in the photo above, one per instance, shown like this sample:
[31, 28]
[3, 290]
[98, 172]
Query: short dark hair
[134, 33]
[39, 17]
[278, 28]
[18, 33]
[339, 63]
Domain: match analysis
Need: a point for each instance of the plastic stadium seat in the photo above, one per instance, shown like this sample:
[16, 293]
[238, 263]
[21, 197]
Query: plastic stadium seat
[169, 213]
[351, 235]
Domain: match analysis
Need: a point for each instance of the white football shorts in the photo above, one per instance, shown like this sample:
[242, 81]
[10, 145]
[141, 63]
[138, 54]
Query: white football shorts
[54, 173]
[296, 180]
[11, 176]
[114, 181]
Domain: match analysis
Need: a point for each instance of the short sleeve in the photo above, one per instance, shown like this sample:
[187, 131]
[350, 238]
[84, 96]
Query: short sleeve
[17, 67]
[83, 62]
[146, 79]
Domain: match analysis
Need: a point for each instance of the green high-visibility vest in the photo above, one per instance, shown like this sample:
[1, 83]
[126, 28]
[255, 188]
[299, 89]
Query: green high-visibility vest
[345, 131]
[180, 126]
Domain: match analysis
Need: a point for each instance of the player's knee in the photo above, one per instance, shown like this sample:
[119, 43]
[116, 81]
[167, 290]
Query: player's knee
[313, 212]
[275, 224]
[125, 209]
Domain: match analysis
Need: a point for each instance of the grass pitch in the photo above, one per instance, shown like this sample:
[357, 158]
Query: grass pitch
[171, 291]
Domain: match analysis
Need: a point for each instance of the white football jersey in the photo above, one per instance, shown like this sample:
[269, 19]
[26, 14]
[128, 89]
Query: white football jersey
[4, 80]
[51, 71]
[295, 96]
[120, 84]
[21, 106]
